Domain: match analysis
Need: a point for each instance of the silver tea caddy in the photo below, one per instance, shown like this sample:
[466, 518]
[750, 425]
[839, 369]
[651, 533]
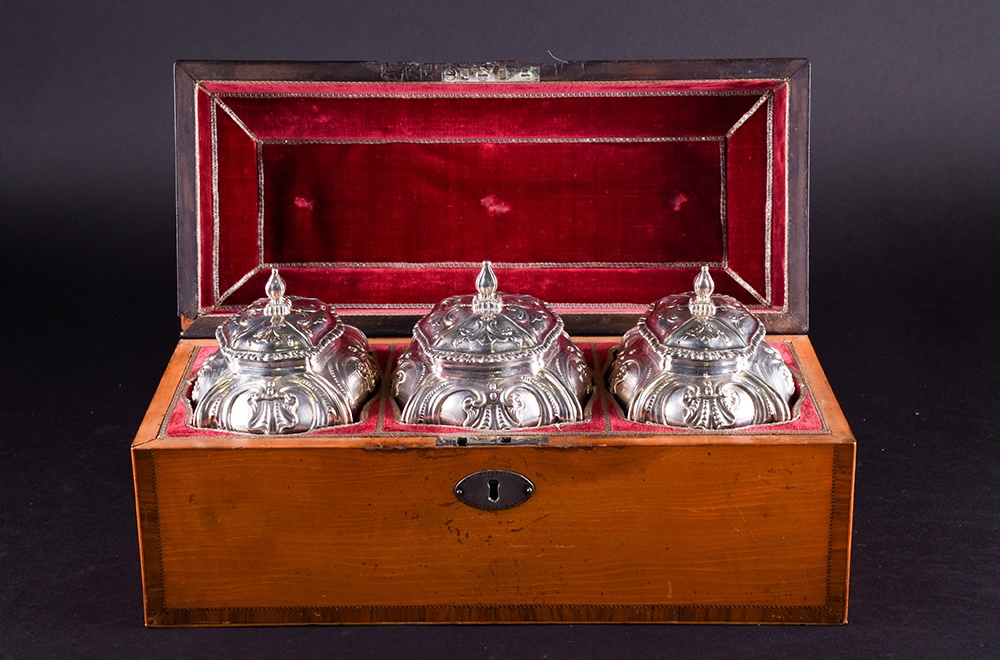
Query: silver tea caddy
[491, 361]
[699, 360]
[285, 364]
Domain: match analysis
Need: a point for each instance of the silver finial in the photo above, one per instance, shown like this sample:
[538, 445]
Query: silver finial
[701, 305]
[486, 301]
[278, 305]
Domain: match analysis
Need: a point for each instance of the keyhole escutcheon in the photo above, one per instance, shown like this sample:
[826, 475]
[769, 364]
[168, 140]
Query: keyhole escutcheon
[483, 489]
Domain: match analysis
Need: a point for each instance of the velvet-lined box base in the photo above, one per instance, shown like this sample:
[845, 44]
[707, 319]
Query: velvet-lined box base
[628, 522]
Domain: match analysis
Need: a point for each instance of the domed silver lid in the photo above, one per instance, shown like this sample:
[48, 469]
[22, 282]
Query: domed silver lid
[279, 330]
[488, 327]
[705, 326]
[285, 365]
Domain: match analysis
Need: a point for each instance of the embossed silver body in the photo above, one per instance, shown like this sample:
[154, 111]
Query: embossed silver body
[284, 365]
[491, 361]
[700, 361]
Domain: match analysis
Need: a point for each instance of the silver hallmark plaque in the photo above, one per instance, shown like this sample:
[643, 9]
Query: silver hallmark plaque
[491, 361]
[285, 365]
[699, 360]
[489, 73]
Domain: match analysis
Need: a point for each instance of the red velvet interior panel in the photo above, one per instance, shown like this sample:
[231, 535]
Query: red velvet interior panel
[779, 197]
[206, 197]
[358, 288]
[416, 202]
[747, 178]
[237, 199]
[428, 175]
[722, 87]
[460, 117]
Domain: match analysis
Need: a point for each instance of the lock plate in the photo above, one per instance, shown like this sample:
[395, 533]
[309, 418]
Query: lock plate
[490, 440]
[494, 489]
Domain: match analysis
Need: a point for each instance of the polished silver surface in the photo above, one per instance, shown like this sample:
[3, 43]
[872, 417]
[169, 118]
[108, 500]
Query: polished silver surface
[284, 365]
[491, 361]
[490, 73]
[699, 360]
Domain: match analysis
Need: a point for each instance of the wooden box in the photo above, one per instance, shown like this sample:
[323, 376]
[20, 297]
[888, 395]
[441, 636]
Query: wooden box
[598, 187]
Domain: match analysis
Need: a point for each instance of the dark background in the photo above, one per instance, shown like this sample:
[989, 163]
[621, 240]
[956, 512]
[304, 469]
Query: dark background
[904, 212]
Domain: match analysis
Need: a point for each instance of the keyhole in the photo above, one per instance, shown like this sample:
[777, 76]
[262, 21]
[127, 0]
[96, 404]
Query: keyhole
[494, 490]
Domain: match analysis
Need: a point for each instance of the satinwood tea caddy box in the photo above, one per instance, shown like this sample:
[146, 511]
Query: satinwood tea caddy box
[598, 187]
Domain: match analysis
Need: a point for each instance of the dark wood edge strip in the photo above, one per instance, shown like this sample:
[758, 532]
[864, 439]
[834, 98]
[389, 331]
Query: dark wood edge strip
[610, 70]
[797, 194]
[186, 145]
[512, 614]
[150, 549]
[841, 514]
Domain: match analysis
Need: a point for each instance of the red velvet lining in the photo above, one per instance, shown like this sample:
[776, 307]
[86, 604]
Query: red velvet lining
[488, 118]
[562, 288]
[292, 88]
[204, 110]
[779, 202]
[747, 198]
[618, 203]
[604, 416]
[424, 176]
[238, 207]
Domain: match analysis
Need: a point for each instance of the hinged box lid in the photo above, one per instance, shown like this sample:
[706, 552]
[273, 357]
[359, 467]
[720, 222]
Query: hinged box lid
[598, 187]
